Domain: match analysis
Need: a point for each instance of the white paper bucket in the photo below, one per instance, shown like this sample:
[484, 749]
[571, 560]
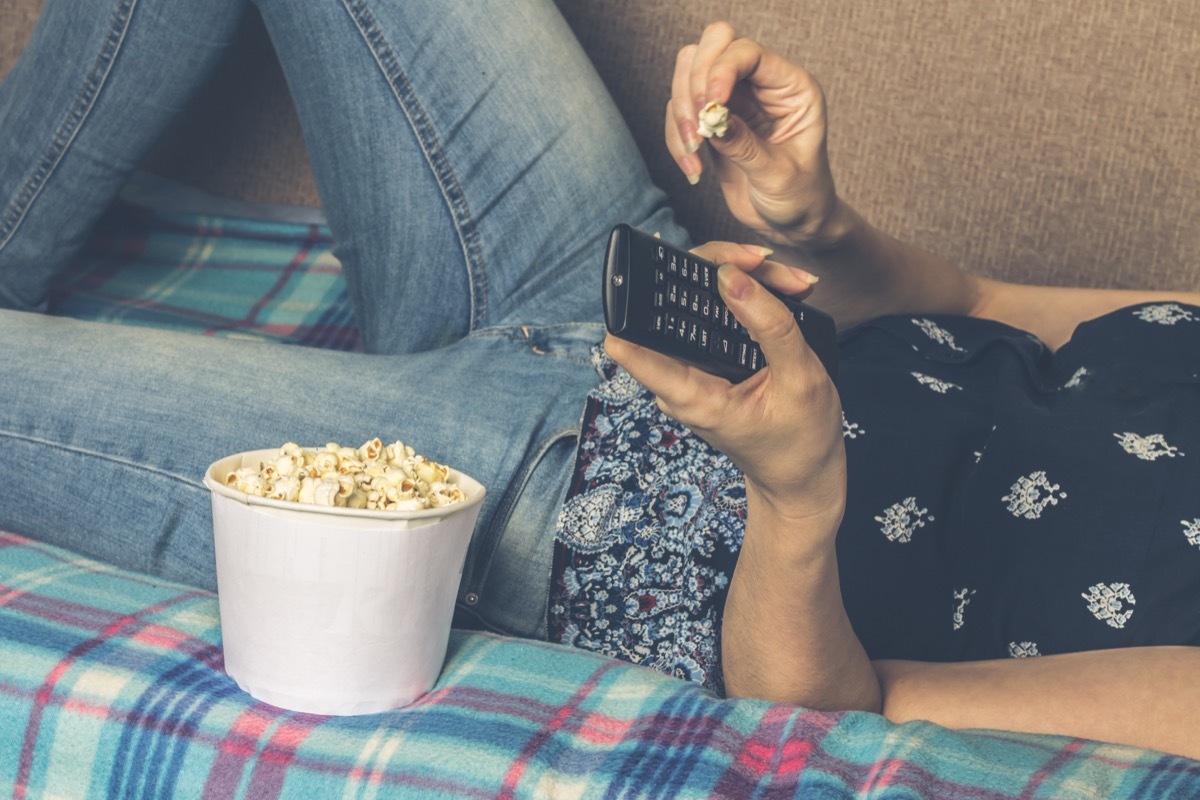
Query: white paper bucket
[335, 610]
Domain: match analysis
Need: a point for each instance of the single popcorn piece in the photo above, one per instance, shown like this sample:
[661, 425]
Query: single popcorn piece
[714, 121]
[373, 477]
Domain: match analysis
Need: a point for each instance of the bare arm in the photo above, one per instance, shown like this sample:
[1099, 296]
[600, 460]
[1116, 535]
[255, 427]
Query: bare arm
[785, 635]
[1145, 696]
[865, 273]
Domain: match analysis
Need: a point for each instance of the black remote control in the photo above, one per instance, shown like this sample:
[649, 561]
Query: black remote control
[665, 298]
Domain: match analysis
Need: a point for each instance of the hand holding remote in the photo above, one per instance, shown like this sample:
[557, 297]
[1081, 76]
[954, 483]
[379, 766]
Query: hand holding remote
[781, 426]
[666, 299]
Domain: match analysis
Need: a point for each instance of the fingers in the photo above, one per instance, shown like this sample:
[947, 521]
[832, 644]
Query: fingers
[752, 259]
[683, 152]
[688, 90]
[770, 324]
[664, 376]
[770, 98]
[712, 48]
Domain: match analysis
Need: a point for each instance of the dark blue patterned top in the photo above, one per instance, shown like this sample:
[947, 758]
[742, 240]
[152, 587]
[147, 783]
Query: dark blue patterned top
[1002, 500]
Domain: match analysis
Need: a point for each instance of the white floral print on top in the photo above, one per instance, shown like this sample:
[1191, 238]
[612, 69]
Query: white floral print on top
[1108, 601]
[1191, 530]
[937, 333]
[1147, 448]
[937, 385]
[851, 430]
[1165, 314]
[901, 520]
[962, 598]
[1023, 650]
[1077, 379]
[1030, 495]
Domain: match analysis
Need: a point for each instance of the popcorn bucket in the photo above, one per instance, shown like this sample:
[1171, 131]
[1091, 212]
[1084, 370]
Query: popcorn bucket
[335, 610]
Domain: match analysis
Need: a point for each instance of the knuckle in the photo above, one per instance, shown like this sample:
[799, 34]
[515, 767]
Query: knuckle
[781, 328]
[686, 55]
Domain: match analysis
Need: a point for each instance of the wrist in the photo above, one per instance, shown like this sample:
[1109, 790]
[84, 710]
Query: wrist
[812, 520]
[824, 233]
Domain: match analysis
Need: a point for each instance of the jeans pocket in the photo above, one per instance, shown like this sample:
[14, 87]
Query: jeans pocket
[508, 587]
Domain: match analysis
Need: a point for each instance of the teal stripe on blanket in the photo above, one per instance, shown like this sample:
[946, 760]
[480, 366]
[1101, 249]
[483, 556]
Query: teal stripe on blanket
[111, 685]
[215, 275]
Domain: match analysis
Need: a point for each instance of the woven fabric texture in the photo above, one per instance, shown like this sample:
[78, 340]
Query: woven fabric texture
[1050, 143]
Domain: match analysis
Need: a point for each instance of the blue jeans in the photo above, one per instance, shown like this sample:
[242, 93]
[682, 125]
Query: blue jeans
[470, 164]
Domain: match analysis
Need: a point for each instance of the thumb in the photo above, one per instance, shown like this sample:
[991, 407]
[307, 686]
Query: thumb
[768, 320]
[741, 147]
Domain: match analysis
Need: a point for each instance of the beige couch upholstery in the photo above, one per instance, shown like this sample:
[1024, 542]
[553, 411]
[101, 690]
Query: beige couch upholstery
[1044, 142]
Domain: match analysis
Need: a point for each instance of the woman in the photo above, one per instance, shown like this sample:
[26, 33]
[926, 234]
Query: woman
[464, 193]
[786, 633]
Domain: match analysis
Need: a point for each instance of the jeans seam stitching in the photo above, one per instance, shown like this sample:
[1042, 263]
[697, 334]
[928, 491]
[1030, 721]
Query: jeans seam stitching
[500, 519]
[422, 128]
[520, 334]
[65, 135]
[98, 455]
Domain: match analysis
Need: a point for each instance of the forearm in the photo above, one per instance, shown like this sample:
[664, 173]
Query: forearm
[785, 635]
[1145, 697]
[866, 273]
[1051, 312]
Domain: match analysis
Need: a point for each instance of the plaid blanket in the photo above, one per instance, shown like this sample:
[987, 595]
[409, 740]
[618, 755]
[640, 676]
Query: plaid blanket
[111, 685]
[211, 274]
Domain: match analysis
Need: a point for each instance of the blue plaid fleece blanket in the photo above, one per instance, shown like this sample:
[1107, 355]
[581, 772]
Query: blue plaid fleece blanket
[210, 274]
[111, 683]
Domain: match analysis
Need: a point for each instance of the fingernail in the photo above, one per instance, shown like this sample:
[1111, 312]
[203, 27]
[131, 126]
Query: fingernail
[692, 144]
[693, 179]
[757, 250]
[734, 283]
[806, 275]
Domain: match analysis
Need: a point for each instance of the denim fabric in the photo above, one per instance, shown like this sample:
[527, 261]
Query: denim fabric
[470, 164]
[98, 83]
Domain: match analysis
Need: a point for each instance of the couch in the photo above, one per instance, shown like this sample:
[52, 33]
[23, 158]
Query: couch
[1041, 142]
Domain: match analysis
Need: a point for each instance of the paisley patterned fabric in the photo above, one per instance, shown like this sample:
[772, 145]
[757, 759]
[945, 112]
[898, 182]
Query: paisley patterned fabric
[1003, 501]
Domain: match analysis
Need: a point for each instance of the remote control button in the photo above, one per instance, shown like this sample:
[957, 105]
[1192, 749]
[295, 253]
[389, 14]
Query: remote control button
[672, 321]
[673, 294]
[704, 339]
[660, 299]
[681, 330]
[706, 307]
[695, 306]
[693, 333]
[706, 276]
[722, 347]
[685, 298]
[660, 277]
[756, 359]
[660, 253]
[743, 354]
[673, 264]
[694, 275]
[657, 323]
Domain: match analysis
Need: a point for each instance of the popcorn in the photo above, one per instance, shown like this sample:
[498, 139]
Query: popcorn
[373, 477]
[714, 121]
